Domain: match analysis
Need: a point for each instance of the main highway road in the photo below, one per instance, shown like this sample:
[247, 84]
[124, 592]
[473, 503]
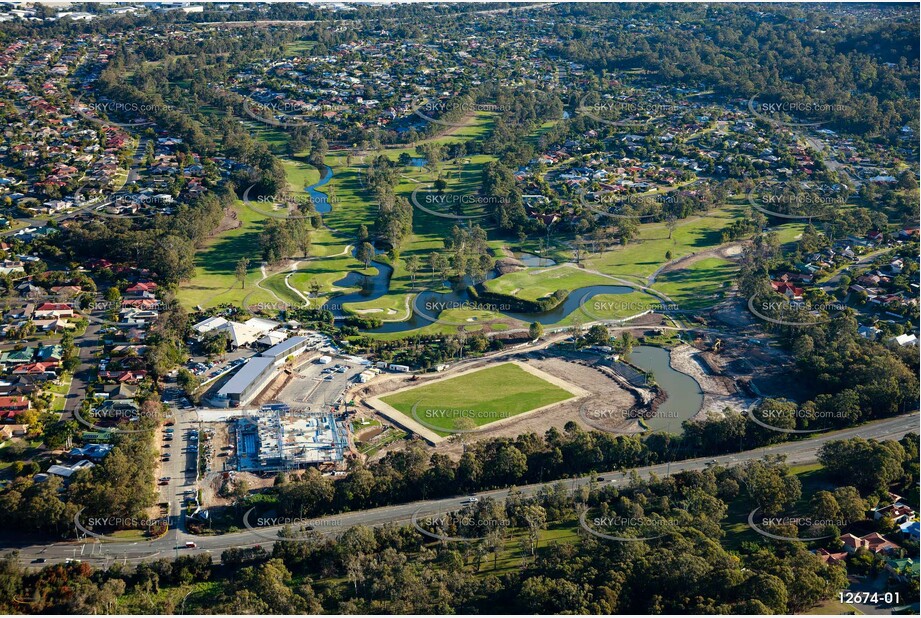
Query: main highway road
[102, 552]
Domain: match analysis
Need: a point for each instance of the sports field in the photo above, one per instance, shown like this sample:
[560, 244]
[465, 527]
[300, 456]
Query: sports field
[477, 398]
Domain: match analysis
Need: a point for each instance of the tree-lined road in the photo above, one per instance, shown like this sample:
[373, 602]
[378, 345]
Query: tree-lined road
[103, 553]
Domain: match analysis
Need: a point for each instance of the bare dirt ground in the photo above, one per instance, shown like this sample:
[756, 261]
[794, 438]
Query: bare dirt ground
[748, 357]
[212, 485]
[229, 222]
[719, 391]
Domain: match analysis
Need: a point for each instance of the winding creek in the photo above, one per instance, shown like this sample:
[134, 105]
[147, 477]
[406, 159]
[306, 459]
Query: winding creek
[320, 199]
[685, 396]
[427, 306]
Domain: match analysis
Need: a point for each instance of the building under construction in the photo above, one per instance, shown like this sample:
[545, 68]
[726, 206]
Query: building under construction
[275, 438]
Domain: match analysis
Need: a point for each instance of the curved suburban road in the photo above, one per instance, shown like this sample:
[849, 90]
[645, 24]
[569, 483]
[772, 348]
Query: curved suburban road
[103, 553]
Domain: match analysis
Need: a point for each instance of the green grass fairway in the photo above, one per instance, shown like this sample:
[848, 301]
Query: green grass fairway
[533, 283]
[646, 253]
[698, 285]
[483, 397]
[215, 265]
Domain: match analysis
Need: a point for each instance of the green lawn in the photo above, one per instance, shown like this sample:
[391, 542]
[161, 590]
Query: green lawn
[214, 281]
[532, 284]
[647, 252]
[482, 396]
[698, 285]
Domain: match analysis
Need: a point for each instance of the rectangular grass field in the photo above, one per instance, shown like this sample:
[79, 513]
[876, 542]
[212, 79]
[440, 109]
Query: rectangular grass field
[483, 396]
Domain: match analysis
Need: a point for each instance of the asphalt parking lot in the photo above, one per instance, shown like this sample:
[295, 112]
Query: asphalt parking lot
[316, 386]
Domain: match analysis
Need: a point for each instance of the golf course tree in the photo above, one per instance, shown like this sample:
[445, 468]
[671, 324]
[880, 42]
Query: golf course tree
[394, 221]
[412, 267]
[535, 331]
[505, 205]
[365, 253]
[597, 335]
[241, 271]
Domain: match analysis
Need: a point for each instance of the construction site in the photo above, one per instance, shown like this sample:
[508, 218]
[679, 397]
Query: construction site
[276, 438]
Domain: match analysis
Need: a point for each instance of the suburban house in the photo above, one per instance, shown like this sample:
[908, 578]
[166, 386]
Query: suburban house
[911, 529]
[873, 542]
[904, 569]
[11, 406]
[13, 431]
[897, 512]
[787, 289]
[17, 357]
[832, 558]
[53, 310]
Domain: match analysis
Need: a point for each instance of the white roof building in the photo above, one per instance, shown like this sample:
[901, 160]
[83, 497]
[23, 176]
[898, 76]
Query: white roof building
[264, 326]
[904, 340]
[209, 324]
[68, 471]
[240, 334]
[273, 338]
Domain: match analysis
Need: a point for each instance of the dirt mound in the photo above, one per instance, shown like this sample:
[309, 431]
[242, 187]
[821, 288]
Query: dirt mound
[508, 265]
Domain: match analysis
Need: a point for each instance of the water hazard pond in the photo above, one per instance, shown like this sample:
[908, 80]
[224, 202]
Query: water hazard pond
[685, 398]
